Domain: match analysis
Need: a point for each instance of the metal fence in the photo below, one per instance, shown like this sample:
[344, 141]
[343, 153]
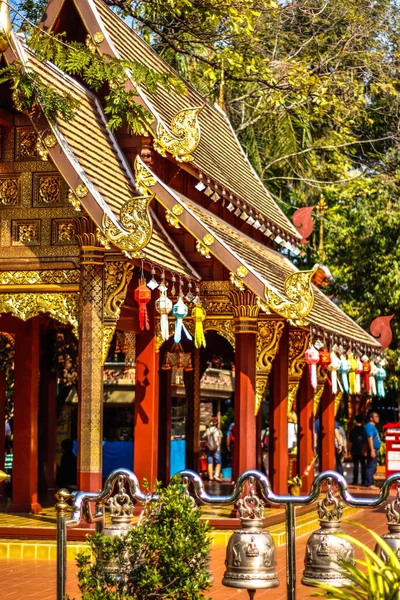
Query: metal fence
[81, 511]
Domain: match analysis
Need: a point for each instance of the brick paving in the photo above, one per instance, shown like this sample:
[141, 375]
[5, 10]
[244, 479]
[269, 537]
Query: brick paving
[36, 580]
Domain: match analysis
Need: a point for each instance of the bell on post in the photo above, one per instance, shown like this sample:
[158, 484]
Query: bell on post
[325, 550]
[250, 555]
[392, 538]
[121, 512]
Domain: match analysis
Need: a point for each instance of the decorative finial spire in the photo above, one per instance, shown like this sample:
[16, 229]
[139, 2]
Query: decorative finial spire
[5, 26]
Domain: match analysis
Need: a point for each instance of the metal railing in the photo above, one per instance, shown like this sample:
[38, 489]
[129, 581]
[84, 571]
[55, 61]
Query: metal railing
[81, 508]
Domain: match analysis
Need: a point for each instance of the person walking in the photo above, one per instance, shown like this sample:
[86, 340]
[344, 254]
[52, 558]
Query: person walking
[374, 444]
[213, 436]
[358, 442]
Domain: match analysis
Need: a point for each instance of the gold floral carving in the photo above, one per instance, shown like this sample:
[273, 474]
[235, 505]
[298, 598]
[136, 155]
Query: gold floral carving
[66, 232]
[26, 233]
[9, 191]
[317, 397]
[300, 294]
[49, 189]
[208, 239]
[242, 272]
[182, 137]
[267, 344]
[50, 140]
[337, 400]
[177, 210]
[81, 191]
[61, 306]
[298, 344]
[223, 327]
[261, 386]
[236, 281]
[244, 303]
[293, 387]
[26, 143]
[74, 200]
[44, 277]
[117, 277]
[216, 287]
[134, 216]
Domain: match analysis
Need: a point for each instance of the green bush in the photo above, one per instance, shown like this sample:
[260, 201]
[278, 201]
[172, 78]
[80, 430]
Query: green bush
[164, 557]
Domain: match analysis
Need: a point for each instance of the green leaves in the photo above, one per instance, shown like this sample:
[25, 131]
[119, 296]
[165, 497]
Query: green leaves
[163, 558]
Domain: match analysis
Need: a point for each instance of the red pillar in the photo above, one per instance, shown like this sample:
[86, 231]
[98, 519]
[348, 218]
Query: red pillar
[26, 400]
[327, 428]
[2, 423]
[146, 408]
[306, 430]
[245, 381]
[49, 426]
[278, 418]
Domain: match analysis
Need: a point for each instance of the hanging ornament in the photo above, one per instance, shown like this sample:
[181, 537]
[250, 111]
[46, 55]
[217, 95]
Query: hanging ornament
[189, 296]
[312, 357]
[325, 361]
[353, 363]
[152, 284]
[180, 311]
[343, 370]
[372, 382]
[366, 371]
[359, 371]
[164, 307]
[173, 290]
[380, 377]
[142, 296]
[333, 368]
[199, 314]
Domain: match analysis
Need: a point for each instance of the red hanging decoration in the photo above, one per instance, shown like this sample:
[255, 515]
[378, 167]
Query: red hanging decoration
[142, 296]
[366, 372]
[325, 361]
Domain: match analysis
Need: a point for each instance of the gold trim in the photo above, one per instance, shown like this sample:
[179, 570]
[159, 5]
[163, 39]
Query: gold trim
[63, 307]
[39, 288]
[242, 272]
[81, 191]
[177, 210]
[317, 398]
[269, 333]
[292, 393]
[208, 239]
[50, 140]
[98, 37]
[40, 277]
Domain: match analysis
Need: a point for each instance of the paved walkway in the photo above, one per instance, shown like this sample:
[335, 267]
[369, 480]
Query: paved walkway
[35, 580]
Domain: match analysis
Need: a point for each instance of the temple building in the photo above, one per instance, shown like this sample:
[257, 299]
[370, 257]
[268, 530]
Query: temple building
[101, 234]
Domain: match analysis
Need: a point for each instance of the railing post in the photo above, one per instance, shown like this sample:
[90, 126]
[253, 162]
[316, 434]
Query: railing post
[291, 551]
[61, 508]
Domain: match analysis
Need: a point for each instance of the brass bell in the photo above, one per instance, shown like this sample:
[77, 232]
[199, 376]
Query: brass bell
[393, 537]
[121, 511]
[325, 550]
[250, 554]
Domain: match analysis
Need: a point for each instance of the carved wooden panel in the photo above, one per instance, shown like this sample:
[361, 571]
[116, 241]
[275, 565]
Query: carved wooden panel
[49, 190]
[63, 232]
[10, 190]
[25, 233]
[26, 144]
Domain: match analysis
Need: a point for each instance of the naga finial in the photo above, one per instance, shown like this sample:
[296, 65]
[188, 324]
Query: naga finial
[182, 137]
[300, 294]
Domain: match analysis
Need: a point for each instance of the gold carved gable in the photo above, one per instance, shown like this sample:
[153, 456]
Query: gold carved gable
[298, 343]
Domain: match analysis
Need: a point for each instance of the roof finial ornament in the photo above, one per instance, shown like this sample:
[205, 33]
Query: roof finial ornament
[300, 294]
[182, 137]
[5, 26]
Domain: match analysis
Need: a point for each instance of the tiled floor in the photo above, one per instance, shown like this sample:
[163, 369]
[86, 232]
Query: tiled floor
[36, 580]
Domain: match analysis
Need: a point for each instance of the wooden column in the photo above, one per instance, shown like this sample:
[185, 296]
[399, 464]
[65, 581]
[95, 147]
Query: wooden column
[164, 414]
[90, 418]
[145, 462]
[306, 430]
[327, 427]
[26, 404]
[278, 423]
[48, 385]
[193, 414]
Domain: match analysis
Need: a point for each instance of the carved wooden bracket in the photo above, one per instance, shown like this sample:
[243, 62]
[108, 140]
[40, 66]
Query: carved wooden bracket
[269, 333]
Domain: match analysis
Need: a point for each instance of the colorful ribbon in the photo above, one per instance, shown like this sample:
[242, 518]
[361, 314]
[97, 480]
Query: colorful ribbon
[380, 377]
[199, 314]
[333, 368]
[164, 307]
[343, 370]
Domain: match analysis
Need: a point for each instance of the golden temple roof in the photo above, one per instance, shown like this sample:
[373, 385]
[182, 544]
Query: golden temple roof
[89, 153]
[219, 154]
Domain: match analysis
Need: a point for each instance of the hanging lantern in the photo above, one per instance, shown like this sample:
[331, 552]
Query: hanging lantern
[372, 382]
[325, 550]
[177, 359]
[380, 377]
[359, 371]
[199, 314]
[366, 369]
[164, 307]
[142, 296]
[250, 554]
[325, 361]
[344, 370]
[180, 311]
[353, 363]
[333, 368]
[311, 357]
